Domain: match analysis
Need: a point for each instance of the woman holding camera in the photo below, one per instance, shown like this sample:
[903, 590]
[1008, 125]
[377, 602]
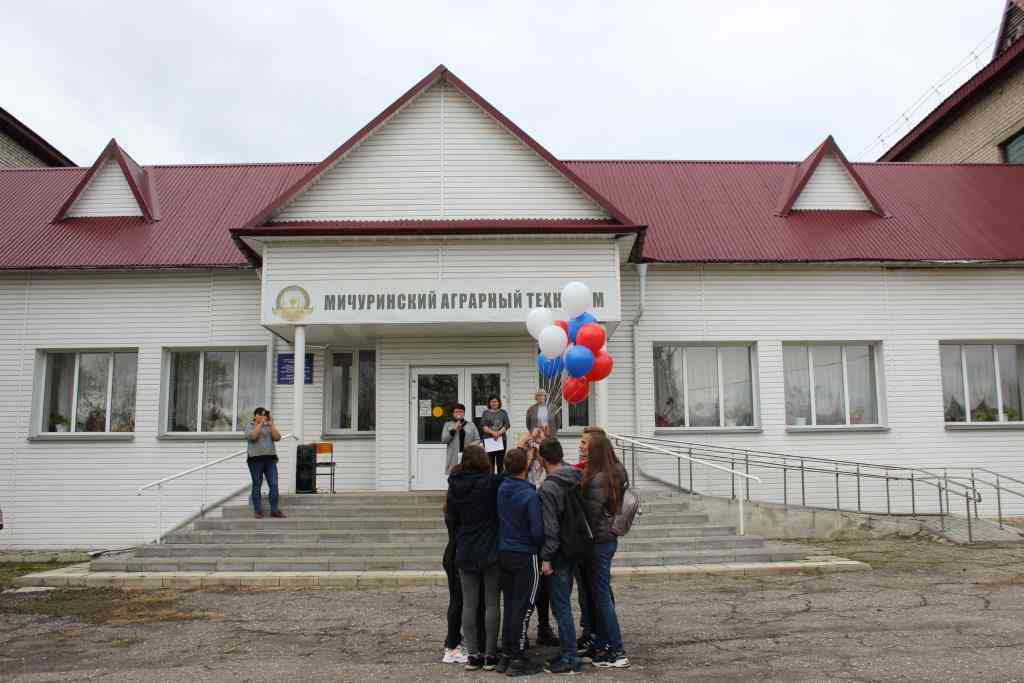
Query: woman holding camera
[261, 435]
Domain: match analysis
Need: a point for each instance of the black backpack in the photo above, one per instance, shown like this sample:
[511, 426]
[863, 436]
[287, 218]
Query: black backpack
[575, 538]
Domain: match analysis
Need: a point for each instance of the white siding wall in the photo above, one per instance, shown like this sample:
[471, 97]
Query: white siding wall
[908, 310]
[107, 194]
[831, 187]
[441, 156]
[83, 493]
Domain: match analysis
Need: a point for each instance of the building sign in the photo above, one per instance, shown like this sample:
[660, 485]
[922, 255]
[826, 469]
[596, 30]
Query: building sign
[286, 368]
[428, 300]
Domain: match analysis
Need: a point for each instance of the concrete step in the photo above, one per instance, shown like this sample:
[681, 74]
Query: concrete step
[362, 498]
[402, 508]
[419, 563]
[420, 548]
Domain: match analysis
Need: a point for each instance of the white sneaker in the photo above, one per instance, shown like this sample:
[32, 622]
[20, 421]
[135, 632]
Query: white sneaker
[455, 655]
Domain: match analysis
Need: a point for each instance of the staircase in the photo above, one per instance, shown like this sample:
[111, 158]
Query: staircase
[405, 531]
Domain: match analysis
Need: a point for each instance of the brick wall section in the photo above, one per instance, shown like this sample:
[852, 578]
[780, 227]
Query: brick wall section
[976, 132]
[13, 155]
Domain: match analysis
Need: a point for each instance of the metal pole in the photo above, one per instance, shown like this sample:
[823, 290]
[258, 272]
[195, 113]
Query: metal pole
[970, 531]
[837, 487]
[160, 512]
[999, 502]
[732, 467]
[888, 497]
[913, 495]
[803, 489]
[747, 458]
[742, 525]
[974, 492]
[942, 514]
[679, 472]
[858, 488]
[785, 482]
[946, 484]
[633, 451]
[691, 470]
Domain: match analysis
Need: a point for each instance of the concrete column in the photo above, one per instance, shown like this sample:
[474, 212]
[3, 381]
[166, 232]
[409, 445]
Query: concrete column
[601, 407]
[299, 347]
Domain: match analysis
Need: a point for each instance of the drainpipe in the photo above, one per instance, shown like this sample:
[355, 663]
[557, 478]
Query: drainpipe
[641, 271]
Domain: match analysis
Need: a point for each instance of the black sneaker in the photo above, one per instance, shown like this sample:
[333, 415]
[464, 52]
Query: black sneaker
[547, 637]
[592, 655]
[520, 666]
[563, 667]
[475, 663]
[612, 660]
[490, 663]
[583, 645]
[502, 665]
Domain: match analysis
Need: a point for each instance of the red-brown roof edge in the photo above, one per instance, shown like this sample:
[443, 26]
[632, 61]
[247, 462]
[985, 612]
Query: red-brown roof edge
[803, 172]
[138, 179]
[959, 97]
[438, 73]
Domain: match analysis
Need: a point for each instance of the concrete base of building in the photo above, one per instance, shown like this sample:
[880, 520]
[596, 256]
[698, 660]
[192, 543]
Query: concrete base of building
[80, 576]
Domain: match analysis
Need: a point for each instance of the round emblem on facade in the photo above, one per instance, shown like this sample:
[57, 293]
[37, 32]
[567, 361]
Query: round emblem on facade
[292, 303]
[438, 411]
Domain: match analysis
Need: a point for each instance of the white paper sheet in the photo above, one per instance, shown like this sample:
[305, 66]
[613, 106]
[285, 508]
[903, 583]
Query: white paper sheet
[478, 411]
[491, 445]
[425, 407]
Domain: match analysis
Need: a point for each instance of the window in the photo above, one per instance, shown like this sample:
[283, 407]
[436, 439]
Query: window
[91, 391]
[216, 390]
[573, 417]
[1013, 149]
[352, 392]
[703, 385]
[830, 384]
[982, 382]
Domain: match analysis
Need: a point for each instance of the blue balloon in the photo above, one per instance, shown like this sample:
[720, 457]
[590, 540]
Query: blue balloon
[579, 360]
[550, 367]
[579, 321]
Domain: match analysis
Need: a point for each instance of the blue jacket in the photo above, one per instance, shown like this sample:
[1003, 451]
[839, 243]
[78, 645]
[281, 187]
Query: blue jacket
[520, 524]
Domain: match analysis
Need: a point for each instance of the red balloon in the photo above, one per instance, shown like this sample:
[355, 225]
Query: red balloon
[564, 324]
[592, 336]
[603, 365]
[575, 390]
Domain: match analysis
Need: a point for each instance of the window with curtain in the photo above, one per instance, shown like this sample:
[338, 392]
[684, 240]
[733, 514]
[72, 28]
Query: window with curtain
[830, 384]
[215, 390]
[982, 382]
[89, 391]
[703, 385]
[353, 392]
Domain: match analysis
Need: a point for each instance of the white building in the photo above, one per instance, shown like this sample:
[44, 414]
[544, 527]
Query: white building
[862, 311]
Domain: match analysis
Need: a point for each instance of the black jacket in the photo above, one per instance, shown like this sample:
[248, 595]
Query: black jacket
[473, 514]
[552, 504]
[599, 504]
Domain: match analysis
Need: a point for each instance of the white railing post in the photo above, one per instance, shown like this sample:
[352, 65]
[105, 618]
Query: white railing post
[160, 513]
[742, 527]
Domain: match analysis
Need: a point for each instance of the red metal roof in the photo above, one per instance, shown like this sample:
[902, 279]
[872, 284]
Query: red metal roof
[725, 211]
[975, 86]
[803, 172]
[140, 182]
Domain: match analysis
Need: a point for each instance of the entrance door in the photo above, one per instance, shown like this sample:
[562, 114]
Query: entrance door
[434, 392]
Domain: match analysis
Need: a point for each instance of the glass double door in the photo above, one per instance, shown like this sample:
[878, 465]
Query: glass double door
[435, 391]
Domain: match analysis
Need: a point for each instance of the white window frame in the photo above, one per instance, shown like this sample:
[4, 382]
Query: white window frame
[880, 406]
[754, 391]
[202, 350]
[328, 387]
[968, 423]
[41, 386]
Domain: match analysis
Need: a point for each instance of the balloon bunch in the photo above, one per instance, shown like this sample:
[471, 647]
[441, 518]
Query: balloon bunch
[572, 351]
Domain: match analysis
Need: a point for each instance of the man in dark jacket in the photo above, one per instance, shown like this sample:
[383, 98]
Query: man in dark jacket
[520, 534]
[553, 491]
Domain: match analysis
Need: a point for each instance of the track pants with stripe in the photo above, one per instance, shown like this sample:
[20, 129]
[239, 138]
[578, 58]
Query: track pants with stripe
[520, 579]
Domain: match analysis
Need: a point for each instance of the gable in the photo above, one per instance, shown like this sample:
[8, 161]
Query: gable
[441, 156]
[107, 194]
[831, 188]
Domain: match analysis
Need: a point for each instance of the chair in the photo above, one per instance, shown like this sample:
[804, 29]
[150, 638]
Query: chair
[325, 448]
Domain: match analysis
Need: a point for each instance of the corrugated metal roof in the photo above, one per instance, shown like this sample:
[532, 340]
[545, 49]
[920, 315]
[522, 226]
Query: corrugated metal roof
[695, 211]
[726, 211]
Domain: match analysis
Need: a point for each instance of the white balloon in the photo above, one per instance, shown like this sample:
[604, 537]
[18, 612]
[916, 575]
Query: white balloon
[537, 320]
[552, 341]
[576, 299]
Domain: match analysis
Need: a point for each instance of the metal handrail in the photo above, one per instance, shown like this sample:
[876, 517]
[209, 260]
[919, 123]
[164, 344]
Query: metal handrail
[944, 484]
[691, 459]
[159, 485]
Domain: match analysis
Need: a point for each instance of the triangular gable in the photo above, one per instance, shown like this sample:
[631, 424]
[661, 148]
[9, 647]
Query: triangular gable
[115, 185]
[439, 152]
[826, 181]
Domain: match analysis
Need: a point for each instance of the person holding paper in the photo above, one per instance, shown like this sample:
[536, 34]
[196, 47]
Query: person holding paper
[495, 424]
[458, 433]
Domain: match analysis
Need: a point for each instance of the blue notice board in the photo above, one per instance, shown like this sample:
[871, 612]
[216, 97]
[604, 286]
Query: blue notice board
[286, 368]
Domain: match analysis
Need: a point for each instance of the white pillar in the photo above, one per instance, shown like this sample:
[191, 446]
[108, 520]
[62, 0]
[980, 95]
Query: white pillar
[602, 404]
[299, 381]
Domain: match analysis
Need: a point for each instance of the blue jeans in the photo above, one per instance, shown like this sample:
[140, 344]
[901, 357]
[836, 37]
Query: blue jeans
[606, 633]
[561, 606]
[258, 469]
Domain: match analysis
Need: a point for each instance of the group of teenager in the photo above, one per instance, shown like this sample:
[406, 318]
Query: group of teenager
[508, 551]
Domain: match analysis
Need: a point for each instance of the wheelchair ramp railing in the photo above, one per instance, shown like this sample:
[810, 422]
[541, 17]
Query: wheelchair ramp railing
[818, 482]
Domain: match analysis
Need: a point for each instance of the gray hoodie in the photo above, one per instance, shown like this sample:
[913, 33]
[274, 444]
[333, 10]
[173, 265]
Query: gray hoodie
[552, 504]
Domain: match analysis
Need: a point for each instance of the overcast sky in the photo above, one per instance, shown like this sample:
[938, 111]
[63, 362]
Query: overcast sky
[180, 82]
